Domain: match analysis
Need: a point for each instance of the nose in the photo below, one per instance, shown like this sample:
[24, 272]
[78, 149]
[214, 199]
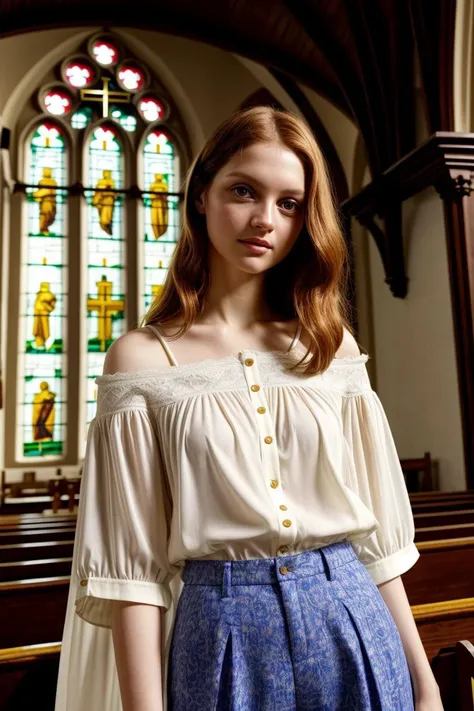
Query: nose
[262, 217]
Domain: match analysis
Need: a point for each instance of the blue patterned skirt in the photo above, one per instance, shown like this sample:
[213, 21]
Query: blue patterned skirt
[308, 631]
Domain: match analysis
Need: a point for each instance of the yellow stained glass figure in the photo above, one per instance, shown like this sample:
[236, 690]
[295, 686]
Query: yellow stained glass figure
[106, 307]
[46, 196]
[104, 200]
[44, 305]
[159, 206]
[43, 414]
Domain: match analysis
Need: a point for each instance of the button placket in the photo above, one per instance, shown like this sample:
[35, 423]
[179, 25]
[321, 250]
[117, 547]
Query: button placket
[286, 524]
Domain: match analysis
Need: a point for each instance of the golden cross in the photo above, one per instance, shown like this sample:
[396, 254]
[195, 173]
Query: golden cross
[105, 307]
[105, 95]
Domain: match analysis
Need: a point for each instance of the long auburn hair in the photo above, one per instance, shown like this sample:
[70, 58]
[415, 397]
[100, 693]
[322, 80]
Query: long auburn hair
[309, 282]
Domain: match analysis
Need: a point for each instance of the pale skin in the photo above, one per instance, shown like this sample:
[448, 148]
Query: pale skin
[258, 193]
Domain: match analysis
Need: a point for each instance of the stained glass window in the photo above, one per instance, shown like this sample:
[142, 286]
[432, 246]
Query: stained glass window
[101, 102]
[43, 309]
[104, 52]
[105, 249]
[81, 118]
[131, 77]
[57, 102]
[125, 119]
[79, 73]
[150, 109]
[161, 176]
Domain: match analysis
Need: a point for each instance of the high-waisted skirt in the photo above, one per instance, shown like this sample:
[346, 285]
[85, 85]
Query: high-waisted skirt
[309, 631]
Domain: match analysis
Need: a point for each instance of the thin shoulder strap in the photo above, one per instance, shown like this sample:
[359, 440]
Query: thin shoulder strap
[296, 337]
[165, 345]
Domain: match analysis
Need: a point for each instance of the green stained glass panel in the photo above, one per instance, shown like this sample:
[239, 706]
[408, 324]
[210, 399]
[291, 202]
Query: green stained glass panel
[43, 309]
[81, 118]
[125, 118]
[161, 211]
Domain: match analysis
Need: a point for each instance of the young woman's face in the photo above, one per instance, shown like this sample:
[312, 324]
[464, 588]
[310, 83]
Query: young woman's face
[258, 194]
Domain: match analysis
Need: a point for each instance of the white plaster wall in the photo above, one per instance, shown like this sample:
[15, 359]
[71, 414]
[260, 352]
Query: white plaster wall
[414, 345]
[342, 131]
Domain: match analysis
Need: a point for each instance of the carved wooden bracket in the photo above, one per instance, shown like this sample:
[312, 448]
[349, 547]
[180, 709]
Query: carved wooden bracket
[445, 161]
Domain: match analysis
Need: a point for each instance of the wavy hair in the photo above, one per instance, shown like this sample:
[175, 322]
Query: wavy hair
[309, 283]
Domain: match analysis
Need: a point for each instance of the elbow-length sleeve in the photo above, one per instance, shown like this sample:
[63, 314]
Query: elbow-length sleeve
[374, 474]
[123, 517]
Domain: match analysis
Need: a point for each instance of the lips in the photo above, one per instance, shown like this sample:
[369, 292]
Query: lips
[257, 242]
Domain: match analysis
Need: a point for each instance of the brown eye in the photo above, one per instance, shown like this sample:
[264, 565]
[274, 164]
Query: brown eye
[241, 187]
[292, 205]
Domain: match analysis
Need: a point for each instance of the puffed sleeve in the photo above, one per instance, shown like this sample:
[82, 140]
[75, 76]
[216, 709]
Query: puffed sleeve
[123, 517]
[375, 475]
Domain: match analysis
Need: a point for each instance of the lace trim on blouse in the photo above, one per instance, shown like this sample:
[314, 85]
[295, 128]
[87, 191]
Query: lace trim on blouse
[157, 387]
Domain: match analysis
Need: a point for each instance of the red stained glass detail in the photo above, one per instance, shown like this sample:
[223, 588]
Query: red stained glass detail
[57, 103]
[105, 53]
[79, 75]
[150, 108]
[131, 77]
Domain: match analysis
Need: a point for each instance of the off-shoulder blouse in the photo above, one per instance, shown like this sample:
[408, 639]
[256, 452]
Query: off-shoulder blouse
[229, 458]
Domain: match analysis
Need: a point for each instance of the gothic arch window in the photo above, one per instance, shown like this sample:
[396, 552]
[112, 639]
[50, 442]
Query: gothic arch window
[98, 213]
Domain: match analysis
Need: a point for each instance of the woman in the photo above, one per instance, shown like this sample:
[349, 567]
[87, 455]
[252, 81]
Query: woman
[244, 520]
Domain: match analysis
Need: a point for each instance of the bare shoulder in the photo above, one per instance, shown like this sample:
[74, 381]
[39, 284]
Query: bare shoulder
[136, 350]
[348, 346]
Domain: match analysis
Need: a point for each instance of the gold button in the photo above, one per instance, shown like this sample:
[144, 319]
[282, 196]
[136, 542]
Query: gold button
[255, 388]
[283, 569]
[83, 583]
[249, 361]
[286, 523]
[282, 549]
[261, 410]
[283, 507]
[273, 483]
[268, 440]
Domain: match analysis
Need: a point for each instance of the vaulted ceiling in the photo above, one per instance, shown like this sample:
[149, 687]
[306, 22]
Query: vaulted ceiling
[359, 54]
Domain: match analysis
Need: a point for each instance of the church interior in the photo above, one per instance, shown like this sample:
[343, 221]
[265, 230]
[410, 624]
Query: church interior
[100, 120]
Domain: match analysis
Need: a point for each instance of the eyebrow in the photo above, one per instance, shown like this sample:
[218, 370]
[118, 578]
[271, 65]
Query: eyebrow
[252, 179]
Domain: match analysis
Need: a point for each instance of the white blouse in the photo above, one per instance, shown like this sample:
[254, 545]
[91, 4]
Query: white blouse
[229, 458]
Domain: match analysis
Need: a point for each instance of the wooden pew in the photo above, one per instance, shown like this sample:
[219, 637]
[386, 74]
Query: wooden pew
[461, 504]
[435, 495]
[465, 678]
[436, 533]
[39, 518]
[33, 569]
[453, 668]
[32, 611]
[31, 504]
[443, 572]
[37, 535]
[441, 624]
[418, 473]
[17, 552]
[443, 518]
[30, 527]
[58, 488]
[26, 673]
